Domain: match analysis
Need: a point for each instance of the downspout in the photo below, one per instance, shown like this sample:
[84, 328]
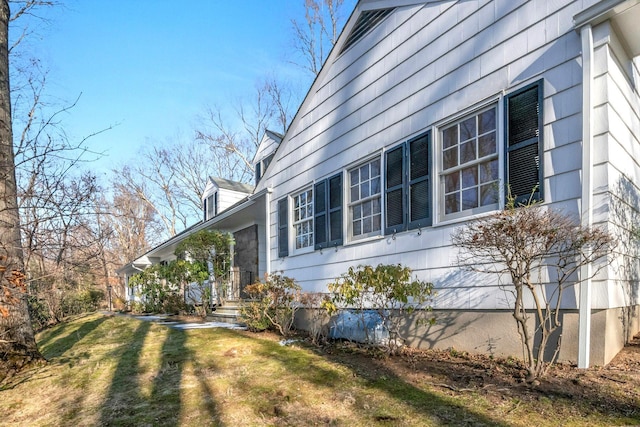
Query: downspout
[584, 309]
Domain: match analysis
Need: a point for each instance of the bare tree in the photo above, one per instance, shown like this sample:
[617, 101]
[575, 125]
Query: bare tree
[170, 179]
[533, 246]
[17, 341]
[315, 36]
[233, 147]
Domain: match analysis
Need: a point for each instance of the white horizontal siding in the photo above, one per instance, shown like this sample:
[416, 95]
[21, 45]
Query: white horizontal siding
[423, 65]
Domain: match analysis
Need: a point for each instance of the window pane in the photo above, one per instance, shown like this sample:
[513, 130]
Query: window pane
[375, 168]
[354, 177]
[364, 173]
[377, 222]
[450, 158]
[468, 129]
[470, 198]
[355, 193]
[366, 209]
[366, 225]
[489, 171]
[489, 194]
[357, 228]
[467, 152]
[470, 177]
[487, 144]
[375, 185]
[364, 190]
[452, 182]
[450, 137]
[375, 206]
[357, 212]
[487, 121]
[451, 203]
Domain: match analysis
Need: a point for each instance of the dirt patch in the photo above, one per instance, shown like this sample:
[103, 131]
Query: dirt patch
[613, 389]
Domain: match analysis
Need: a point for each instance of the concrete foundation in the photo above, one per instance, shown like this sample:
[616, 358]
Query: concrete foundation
[495, 332]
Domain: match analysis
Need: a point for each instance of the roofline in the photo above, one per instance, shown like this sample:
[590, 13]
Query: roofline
[201, 225]
[601, 11]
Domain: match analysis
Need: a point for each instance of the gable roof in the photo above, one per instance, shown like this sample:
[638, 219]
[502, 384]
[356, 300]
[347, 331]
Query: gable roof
[227, 184]
[362, 6]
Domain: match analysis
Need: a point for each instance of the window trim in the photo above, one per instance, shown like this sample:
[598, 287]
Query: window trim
[308, 218]
[350, 204]
[439, 217]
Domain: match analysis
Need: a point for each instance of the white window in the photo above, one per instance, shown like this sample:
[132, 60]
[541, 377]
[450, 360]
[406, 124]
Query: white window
[365, 209]
[469, 164]
[303, 219]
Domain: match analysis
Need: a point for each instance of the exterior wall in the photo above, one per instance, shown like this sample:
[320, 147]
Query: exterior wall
[430, 64]
[617, 168]
[423, 66]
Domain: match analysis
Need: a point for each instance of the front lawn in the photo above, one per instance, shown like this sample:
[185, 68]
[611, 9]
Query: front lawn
[122, 371]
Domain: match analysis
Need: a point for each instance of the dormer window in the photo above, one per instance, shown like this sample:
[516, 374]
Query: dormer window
[262, 166]
[211, 206]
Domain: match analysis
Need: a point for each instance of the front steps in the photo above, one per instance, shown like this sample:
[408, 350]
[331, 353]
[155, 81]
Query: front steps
[229, 312]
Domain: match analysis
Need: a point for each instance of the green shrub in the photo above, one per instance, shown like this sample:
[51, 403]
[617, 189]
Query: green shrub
[39, 312]
[274, 305]
[387, 289]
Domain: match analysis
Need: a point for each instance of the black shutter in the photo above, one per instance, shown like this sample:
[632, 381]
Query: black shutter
[283, 228]
[334, 200]
[258, 175]
[394, 190]
[320, 218]
[524, 143]
[204, 204]
[328, 212]
[420, 181]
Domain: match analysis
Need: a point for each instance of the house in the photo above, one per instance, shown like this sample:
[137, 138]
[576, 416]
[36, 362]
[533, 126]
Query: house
[421, 116]
[228, 206]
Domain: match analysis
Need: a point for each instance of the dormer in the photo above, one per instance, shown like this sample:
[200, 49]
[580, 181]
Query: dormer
[220, 194]
[266, 151]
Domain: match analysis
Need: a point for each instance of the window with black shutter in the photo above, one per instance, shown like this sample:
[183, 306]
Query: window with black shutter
[283, 228]
[523, 116]
[328, 212]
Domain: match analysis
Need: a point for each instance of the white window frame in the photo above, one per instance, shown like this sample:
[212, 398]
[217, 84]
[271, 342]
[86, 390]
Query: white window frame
[304, 220]
[440, 196]
[351, 205]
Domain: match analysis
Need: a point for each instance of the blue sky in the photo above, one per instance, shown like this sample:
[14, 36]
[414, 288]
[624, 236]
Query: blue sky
[150, 67]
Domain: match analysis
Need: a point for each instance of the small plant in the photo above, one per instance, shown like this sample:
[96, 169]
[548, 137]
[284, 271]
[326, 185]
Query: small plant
[274, 305]
[386, 289]
[317, 315]
[534, 246]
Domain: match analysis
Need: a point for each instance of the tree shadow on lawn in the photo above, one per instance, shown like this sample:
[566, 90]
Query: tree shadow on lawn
[126, 404]
[52, 347]
[435, 408]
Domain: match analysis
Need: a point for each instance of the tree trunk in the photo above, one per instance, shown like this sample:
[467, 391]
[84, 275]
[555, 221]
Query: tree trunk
[18, 347]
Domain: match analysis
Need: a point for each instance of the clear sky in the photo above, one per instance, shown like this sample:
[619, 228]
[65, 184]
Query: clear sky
[149, 67]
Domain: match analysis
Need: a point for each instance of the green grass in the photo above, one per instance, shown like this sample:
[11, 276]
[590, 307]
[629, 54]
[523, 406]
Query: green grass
[122, 372]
